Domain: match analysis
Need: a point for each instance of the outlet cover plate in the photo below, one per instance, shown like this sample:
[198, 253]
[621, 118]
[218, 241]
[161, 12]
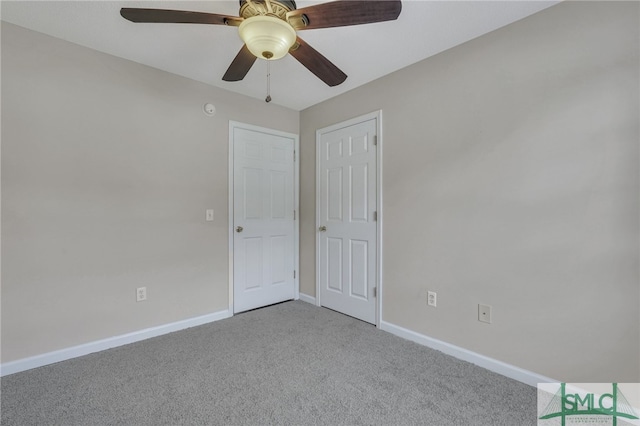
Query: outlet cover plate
[432, 298]
[141, 294]
[484, 313]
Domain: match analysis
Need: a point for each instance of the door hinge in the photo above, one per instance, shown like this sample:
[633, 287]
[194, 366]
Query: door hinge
[294, 215]
[375, 140]
[294, 275]
[294, 155]
[375, 292]
[375, 216]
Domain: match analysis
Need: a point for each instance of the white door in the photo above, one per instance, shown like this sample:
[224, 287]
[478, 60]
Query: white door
[347, 231]
[263, 218]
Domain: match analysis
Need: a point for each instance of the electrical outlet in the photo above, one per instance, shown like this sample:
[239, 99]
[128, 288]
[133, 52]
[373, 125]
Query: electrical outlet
[209, 215]
[432, 298]
[141, 294]
[484, 313]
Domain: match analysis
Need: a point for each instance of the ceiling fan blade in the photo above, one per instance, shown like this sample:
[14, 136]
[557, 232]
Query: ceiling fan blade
[240, 65]
[346, 12]
[178, 17]
[313, 60]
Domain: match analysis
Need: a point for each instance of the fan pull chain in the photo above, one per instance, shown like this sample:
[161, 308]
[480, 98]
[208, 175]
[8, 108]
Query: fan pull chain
[268, 98]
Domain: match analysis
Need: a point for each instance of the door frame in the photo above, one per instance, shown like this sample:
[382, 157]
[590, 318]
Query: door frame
[377, 115]
[296, 202]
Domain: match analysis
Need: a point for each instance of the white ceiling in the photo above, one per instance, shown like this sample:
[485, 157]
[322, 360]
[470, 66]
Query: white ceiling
[203, 52]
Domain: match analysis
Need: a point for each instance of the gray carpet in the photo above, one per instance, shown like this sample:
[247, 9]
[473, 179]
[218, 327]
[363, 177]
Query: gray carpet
[287, 364]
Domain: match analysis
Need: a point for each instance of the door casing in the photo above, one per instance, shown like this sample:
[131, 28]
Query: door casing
[377, 115]
[296, 201]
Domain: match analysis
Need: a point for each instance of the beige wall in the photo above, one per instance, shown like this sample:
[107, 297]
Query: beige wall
[107, 169]
[510, 178]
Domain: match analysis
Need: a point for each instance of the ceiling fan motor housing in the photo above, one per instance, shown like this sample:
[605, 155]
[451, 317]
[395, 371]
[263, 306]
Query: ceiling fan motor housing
[277, 8]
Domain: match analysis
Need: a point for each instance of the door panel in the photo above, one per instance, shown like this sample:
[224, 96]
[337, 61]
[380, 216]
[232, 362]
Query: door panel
[251, 196]
[359, 257]
[359, 205]
[278, 251]
[347, 202]
[334, 188]
[252, 250]
[334, 264]
[263, 194]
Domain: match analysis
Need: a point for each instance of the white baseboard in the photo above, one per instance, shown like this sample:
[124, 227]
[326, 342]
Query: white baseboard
[111, 342]
[307, 298]
[490, 364]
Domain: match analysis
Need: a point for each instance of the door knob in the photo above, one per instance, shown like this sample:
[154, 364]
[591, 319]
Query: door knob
[322, 229]
[239, 228]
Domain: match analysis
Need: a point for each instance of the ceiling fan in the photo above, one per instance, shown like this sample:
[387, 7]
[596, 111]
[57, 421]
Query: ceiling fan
[268, 29]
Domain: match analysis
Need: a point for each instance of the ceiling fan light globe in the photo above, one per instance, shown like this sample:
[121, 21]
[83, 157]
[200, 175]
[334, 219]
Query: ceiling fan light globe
[267, 37]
